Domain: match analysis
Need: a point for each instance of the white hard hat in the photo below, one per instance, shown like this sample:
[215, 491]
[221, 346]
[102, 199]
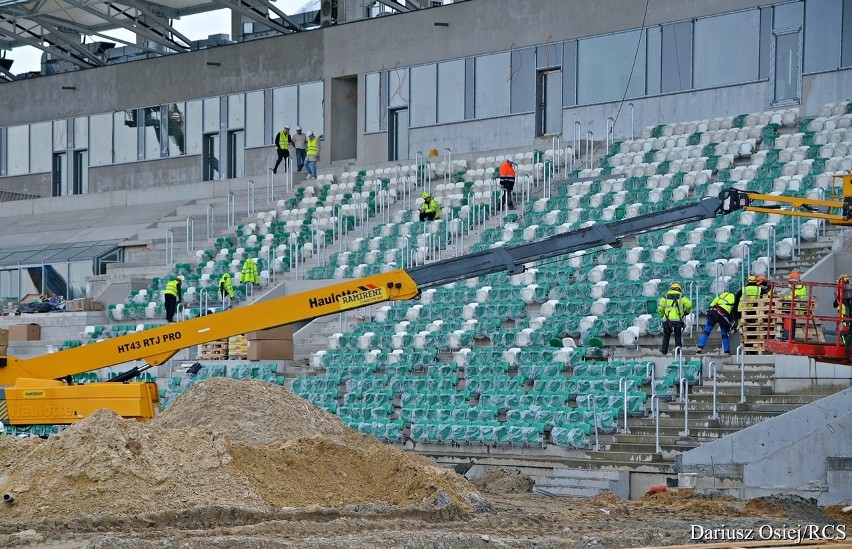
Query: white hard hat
[181, 278]
[310, 132]
[286, 127]
[510, 158]
[298, 128]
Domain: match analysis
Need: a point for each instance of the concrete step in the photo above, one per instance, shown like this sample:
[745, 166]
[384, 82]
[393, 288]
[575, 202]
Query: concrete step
[697, 433]
[567, 491]
[581, 474]
[631, 457]
[644, 446]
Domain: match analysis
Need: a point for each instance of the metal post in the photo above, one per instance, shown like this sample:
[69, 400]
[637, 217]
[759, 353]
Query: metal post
[655, 409]
[712, 367]
[556, 143]
[590, 153]
[683, 384]
[610, 129]
[270, 184]
[250, 198]
[741, 358]
[745, 265]
[427, 177]
[595, 412]
[231, 207]
[190, 234]
[170, 247]
[449, 157]
[288, 177]
[678, 357]
[770, 247]
[211, 230]
[578, 137]
[720, 274]
[622, 387]
[632, 134]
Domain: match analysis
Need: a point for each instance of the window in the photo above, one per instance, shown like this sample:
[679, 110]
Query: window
[523, 80]
[310, 115]
[60, 135]
[569, 74]
[193, 127]
[41, 158]
[375, 102]
[822, 35]
[236, 111]
[398, 88]
[548, 56]
[255, 107]
[100, 134]
[152, 132]
[424, 95]
[285, 105]
[786, 16]
[676, 57]
[176, 124]
[726, 49]
[451, 91]
[211, 115]
[653, 66]
[605, 64]
[125, 138]
[491, 85]
[18, 150]
[81, 132]
[846, 41]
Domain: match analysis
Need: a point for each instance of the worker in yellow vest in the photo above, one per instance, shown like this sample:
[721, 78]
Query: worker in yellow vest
[430, 210]
[843, 304]
[282, 147]
[720, 312]
[173, 294]
[313, 153]
[673, 308]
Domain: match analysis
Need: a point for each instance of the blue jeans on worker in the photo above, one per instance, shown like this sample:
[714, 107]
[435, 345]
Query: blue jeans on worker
[301, 154]
[713, 318]
[311, 166]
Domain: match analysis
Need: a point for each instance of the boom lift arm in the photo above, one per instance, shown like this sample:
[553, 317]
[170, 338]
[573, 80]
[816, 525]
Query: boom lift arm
[33, 378]
[837, 212]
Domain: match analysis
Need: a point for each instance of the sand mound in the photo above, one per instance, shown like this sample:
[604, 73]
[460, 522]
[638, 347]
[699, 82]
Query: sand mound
[105, 464]
[500, 481]
[788, 506]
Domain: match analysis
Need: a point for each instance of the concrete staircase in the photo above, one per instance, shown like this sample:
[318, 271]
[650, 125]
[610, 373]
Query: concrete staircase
[584, 483]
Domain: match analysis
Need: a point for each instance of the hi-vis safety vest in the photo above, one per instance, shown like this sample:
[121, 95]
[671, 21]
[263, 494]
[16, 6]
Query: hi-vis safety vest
[507, 170]
[283, 140]
[432, 206]
[673, 306]
[750, 293]
[313, 147]
[724, 301]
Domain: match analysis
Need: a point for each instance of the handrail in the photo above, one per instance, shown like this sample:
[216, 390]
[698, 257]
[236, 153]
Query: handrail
[556, 144]
[170, 247]
[203, 300]
[250, 206]
[610, 130]
[678, 356]
[770, 248]
[211, 229]
[655, 398]
[578, 137]
[623, 381]
[683, 385]
[720, 274]
[270, 185]
[418, 161]
[632, 133]
[190, 234]
[288, 177]
[712, 367]
[595, 413]
[744, 273]
[449, 157]
[231, 209]
[590, 152]
[741, 358]
[692, 292]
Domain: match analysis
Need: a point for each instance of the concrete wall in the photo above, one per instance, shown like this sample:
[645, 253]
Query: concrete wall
[143, 175]
[819, 89]
[798, 373]
[39, 184]
[787, 451]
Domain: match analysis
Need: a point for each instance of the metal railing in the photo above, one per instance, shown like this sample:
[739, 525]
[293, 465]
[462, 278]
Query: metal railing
[622, 388]
[170, 247]
[655, 410]
[741, 359]
[745, 264]
[712, 367]
[190, 235]
[770, 247]
[578, 137]
[610, 130]
[211, 222]
[683, 386]
[556, 144]
[270, 186]
[449, 160]
[231, 209]
[590, 151]
[630, 125]
[250, 206]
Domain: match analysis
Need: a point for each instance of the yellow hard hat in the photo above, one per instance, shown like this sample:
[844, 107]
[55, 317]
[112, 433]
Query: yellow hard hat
[425, 195]
[751, 279]
[675, 286]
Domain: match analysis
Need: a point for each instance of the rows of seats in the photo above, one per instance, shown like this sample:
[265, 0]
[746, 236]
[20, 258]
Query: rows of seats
[180, 383]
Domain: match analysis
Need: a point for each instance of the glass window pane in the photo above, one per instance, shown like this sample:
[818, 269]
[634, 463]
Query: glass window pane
[523, 80]
[398, 88]
[373, 109]
[60, 135]
[654, 62]
[846, 55]
[211, 114]
[822, 35]
[788, 15]
[721, 39]
[193, 127]
[255, 107]
[285, 102]
[787, 66]
[236, 111]
[176, 122]
[469, 86]
[604, 65]
[424, 95]
[765, 39]
[676, 70]
[451, 91]
[81, 132]
[40, 150]
[100, 151]
[569, 74]
[548, 56]
[17, 150]
[124, 134]
[491, 87]
[310, 107]
[152, 132]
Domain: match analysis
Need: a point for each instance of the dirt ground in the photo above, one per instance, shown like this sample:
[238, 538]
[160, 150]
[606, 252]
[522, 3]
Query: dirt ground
[248, 464]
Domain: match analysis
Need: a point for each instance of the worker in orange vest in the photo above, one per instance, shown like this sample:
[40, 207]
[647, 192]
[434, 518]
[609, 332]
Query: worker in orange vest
[507, 180]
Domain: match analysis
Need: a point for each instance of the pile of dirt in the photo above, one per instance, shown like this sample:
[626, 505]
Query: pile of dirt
[500, 481]
[788, 506]
[691, 503]
[229, 443]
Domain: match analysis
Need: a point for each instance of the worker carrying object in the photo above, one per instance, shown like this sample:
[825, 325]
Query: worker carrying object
[673, 308]
[746, 297]
[173, 294]
[226, 287]
[249, 275]
[721, 313]
[430, 210]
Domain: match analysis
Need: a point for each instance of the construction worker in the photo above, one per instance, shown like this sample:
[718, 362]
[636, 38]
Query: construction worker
[745, 297]
[249, 275]
[721, 313]
[430, 210]
[798, 298]
[507, 180]
[226, 287]
[763, 282]
[673, 308]
[173, 294]
[843, 304]
[282, 147]
[313, 152]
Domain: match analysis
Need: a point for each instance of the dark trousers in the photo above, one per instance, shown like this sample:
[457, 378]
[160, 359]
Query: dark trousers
[508, 187]
[427, 216]
[672, 327]
[171, 307]
[301, 154]
[282, 154]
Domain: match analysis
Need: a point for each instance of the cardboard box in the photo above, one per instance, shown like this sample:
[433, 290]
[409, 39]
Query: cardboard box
[4, 336]
[270, 349]
[281, 332]
[84, 304]
[25, 332]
